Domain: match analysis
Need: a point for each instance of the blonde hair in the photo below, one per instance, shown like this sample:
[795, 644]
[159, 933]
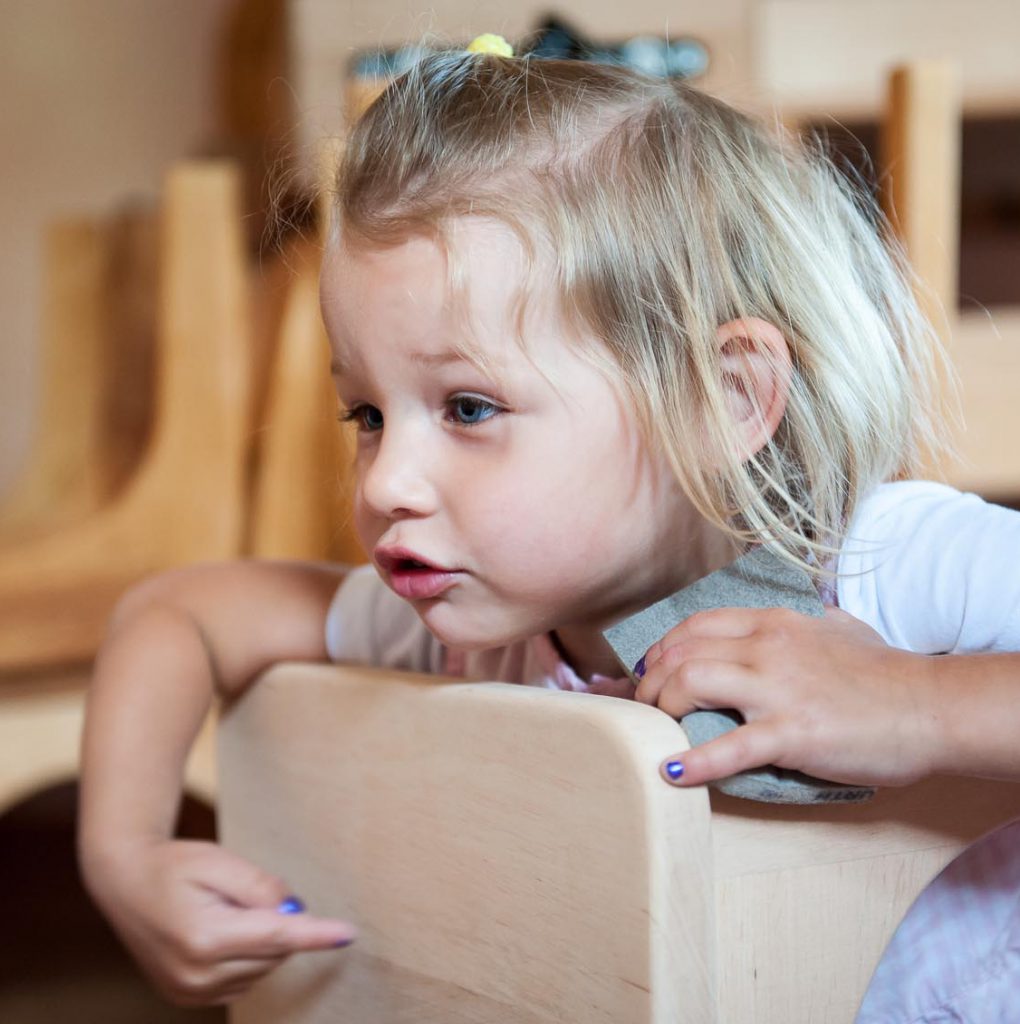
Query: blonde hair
[671, 213]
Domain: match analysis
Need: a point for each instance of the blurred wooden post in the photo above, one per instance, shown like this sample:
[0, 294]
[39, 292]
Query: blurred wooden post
[921, 180]
[301, 508]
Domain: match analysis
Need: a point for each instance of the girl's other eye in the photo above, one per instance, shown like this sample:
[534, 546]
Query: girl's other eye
[367, 417]
[468, 410]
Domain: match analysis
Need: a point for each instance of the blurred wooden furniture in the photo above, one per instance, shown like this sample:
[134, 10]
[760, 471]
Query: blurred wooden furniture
[186, 500]
[301, 505]
[808, 59]
[921, 172]
[40, 734]
[921, 179]
[510, 854]
[96, 370]
[63, 476]
[831, 58]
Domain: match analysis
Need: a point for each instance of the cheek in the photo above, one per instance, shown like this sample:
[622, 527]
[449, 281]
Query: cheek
[367, 526]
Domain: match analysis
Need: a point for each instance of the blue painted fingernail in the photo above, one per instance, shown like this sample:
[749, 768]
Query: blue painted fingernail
[674, 769]
[639, 668]
[291, 905]
[341, 943]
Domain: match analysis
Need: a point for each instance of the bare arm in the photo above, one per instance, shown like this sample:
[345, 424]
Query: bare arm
[975, 703]
[175, 642]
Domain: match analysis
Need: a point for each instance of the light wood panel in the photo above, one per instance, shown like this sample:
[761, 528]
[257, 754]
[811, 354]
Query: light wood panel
[511, 855]
[502, 850]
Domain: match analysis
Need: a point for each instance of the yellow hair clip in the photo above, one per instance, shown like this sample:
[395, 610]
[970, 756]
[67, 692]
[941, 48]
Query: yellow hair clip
[489, 42]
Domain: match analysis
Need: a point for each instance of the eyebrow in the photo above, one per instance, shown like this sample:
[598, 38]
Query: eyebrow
[338, 367]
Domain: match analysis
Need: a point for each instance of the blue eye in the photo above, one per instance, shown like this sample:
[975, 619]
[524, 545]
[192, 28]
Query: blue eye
[470, 409]
[367, 417]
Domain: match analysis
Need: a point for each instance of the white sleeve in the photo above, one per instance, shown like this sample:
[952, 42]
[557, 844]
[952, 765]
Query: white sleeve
[368, 624]
[933, 570]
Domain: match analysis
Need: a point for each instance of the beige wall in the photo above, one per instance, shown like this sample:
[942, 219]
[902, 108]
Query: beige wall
[98, 96]
[324, 32]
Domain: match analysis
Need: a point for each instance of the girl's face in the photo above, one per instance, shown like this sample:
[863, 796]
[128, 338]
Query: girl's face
[504, 502]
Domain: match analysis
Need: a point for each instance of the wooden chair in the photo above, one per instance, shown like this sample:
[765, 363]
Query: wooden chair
[186, 501]
[511, 856]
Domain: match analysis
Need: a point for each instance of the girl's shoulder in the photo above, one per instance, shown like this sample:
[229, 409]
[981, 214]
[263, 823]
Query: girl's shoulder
[930, 568]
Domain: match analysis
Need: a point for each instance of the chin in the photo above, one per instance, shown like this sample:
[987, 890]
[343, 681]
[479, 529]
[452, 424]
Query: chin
[453, 630]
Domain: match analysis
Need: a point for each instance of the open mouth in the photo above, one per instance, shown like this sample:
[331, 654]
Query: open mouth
[404, 561]
[413, 578]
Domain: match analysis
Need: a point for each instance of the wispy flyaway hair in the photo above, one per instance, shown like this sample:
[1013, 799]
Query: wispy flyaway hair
[669, 214]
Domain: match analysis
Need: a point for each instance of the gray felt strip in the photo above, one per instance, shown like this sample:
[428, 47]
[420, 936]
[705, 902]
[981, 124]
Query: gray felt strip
[759, 579]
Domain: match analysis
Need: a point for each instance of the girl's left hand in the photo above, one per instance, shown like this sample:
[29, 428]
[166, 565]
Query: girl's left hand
[823, 695]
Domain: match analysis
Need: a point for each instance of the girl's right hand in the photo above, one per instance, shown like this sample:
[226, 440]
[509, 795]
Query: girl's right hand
[203, 923]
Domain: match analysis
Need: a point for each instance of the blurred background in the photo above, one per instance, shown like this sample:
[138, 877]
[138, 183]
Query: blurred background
[102, 98]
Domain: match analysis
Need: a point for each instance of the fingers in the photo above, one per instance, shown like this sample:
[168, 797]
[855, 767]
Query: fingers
[216, 984]
[267, 933]
[238, 880]
[727, 623]
[236, 946]
[749, 746]
[710, 676]
[218, 923]
[255, 914]
[731, 623]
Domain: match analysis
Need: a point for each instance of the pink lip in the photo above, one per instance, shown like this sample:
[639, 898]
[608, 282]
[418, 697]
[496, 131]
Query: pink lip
[413, 582]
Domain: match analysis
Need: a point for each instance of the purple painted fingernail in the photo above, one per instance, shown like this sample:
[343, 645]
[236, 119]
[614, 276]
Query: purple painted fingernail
[674, 769]
[639, 668]
[291, 905]
[342, 943]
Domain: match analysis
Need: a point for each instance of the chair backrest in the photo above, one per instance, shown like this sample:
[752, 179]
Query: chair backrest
[511, 855]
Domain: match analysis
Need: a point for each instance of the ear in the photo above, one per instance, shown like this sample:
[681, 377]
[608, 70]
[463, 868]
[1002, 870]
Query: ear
[756, 370]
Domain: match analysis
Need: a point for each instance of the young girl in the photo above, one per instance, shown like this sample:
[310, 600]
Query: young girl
[598, 334]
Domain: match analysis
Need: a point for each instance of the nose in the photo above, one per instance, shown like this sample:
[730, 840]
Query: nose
[394, 481]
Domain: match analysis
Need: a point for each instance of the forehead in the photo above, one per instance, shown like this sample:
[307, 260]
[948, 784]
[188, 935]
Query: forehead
[473, 289]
